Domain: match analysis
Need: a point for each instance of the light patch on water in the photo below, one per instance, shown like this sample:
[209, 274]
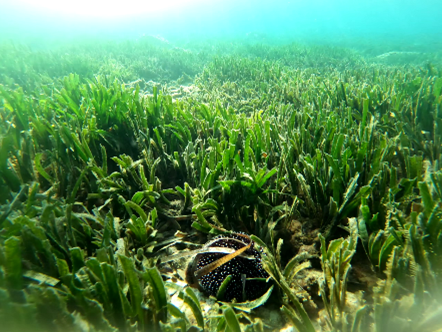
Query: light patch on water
[107, 8]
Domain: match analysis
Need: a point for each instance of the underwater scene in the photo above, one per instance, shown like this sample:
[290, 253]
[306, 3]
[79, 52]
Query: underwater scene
[221, 166]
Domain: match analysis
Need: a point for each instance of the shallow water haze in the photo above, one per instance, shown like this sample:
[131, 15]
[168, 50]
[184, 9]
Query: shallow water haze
[416, 25]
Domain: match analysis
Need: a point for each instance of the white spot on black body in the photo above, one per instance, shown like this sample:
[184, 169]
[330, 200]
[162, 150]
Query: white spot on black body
[251, 268]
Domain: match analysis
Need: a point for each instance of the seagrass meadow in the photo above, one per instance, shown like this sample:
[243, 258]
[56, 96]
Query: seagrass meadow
[120, 160]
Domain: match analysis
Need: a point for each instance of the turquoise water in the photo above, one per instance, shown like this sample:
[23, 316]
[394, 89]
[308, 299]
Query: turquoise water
[405, 25]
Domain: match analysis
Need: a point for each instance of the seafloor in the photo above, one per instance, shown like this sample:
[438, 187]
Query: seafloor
[317, 165]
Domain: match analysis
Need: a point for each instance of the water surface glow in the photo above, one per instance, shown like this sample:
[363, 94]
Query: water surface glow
[106, 8]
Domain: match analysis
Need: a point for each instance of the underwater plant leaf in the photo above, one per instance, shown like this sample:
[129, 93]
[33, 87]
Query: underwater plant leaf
[270, 265]
[437, 88]
[104, 159]
[426, 198]
[358, 319]
[375, 244]
[41, 278]
[222, 324]
[192, 302]
[175, 312]
[63, 268]
[189, 291]
[239, 164]
[386, 250]
[290, 313]
[13, 264]
[223, 287]
[250, 305]
[77, 259]
[14, 204]
[264, 179]
[159, 291]
[137, 208]
[203, 223]
[113, 291]
[364, 118]
[292, 263]
[134, 287]
[154, 217]
[40, 169]
[334, 167]
[232, 320]
[351, 189]
[94, 265]
[77, 185]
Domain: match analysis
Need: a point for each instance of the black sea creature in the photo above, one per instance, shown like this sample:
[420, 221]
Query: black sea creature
[238, 259]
